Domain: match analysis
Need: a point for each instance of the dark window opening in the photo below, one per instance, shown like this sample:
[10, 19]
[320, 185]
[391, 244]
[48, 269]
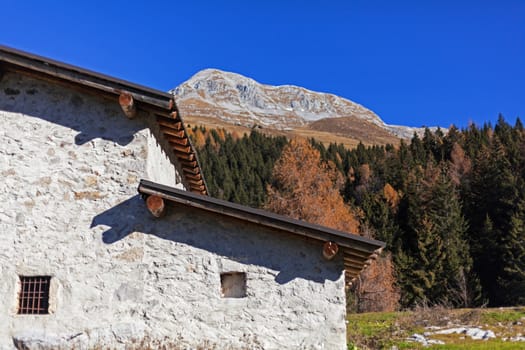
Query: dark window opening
[34, 295]
[233, 285]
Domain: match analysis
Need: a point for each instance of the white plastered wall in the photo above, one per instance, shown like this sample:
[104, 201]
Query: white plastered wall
[69, 208]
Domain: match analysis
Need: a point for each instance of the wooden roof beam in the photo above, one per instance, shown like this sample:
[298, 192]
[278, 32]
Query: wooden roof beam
[189, 164]
[197, 183]
[191, 170]
[196, 177]
[179, 148]
[356, 266]
[355, 260]
[358, 253]
[185, 156]
[172, 132]
[170, 124]
[177, 141]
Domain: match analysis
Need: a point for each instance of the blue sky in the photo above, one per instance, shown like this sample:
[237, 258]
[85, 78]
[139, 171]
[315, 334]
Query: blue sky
[412, 62]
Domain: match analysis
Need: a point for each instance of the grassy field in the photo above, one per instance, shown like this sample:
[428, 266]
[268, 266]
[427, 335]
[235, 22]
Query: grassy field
[391, 330]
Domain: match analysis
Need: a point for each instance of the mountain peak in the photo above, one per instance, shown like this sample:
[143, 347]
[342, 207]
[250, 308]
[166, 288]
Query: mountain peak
[238, 91]
[236, 99]
[210, 73]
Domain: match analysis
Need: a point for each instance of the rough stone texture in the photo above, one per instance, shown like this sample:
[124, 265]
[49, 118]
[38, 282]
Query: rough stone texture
[70, 166]
[294, 300]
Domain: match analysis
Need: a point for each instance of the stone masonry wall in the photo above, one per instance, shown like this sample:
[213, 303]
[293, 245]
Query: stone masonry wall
[70, 166]
[294, 298]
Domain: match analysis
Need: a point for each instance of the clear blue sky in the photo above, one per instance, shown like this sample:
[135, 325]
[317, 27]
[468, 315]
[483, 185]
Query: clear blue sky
[412, 62]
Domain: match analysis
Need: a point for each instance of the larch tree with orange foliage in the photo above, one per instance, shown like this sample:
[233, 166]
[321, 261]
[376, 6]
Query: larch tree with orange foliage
[304, 189]
[198, 138]
[375, 289]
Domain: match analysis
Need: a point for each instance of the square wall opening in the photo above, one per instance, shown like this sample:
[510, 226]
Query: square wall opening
[233, 284]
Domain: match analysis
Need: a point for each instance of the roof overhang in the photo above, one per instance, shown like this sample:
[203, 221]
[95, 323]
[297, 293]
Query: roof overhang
[357, 251]
[159, 104]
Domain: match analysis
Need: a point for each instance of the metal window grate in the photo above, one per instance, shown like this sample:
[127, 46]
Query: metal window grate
[34, 295]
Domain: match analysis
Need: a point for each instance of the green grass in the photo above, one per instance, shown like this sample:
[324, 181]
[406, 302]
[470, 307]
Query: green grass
[372, 323]
[385, 330]
[482, 345]
[508, 315]
[373, 330]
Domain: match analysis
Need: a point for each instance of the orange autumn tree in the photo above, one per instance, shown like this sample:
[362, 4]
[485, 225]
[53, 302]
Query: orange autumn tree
[305, 188]
[375, 289]
[198, 138]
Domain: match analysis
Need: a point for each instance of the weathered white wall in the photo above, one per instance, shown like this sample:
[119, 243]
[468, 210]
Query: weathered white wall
[70, 165]
[295, 299]
[159, 167]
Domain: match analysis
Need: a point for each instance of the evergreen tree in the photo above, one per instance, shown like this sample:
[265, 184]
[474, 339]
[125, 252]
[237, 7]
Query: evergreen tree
[489, 204]
[419, 153]
[238, 169]
[450, 207]
[435, 251]
[512, 278]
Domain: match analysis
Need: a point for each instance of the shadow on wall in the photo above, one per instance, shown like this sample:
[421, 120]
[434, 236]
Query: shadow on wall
[93, 117]
[244, 242]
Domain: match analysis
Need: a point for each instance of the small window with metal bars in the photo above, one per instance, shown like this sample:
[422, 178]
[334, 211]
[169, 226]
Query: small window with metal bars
[34, 295]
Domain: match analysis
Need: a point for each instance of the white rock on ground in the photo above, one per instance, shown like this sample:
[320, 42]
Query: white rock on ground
[424, 340]
[473, 332]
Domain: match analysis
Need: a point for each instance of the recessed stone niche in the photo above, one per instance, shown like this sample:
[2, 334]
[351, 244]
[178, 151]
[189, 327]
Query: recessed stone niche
[233, 285]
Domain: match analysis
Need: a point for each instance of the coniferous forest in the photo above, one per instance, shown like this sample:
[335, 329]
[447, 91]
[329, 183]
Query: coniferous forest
[450, 206]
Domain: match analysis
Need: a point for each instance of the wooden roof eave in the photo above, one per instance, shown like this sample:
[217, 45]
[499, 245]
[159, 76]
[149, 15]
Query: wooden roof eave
[26, 63]
[160, 104]
[175, 134]
[357, 250]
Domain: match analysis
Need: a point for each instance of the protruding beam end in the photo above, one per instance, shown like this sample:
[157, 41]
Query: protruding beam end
[330, 250]
[156, 206]
[127, 103]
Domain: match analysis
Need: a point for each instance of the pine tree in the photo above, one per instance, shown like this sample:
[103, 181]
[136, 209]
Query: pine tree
[419, 153]
[451, 226]
[379, 213]
[434, 249]
[512, 278]
[490, 203]
[238, 169]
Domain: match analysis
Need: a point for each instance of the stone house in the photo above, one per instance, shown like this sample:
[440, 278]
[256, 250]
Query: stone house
[87, 262]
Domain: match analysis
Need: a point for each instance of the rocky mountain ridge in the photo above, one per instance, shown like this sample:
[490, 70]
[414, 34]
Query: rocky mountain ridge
[238, 100]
